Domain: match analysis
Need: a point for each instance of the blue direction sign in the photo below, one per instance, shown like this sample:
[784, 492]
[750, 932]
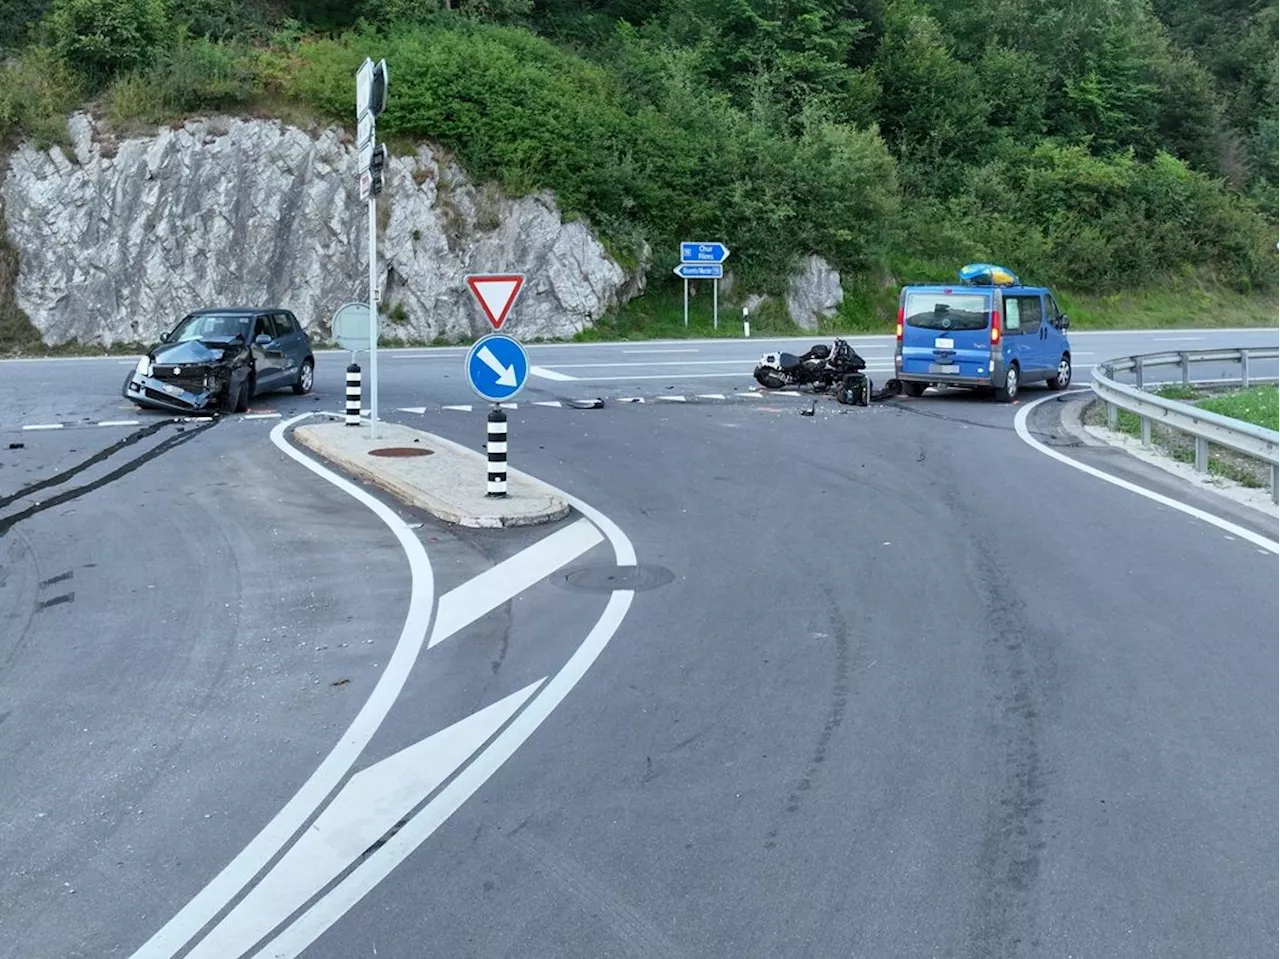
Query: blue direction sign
[497, 367]
[703, 253]
[700, 271]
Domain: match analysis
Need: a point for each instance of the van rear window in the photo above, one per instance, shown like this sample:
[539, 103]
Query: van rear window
[947, 311]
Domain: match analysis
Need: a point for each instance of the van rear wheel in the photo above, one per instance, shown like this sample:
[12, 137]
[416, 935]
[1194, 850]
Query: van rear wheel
[1009, 391]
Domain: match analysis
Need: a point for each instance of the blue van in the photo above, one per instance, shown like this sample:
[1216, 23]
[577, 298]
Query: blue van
[987, 331]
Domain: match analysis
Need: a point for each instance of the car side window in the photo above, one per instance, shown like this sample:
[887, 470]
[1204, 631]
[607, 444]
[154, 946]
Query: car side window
[282, 325]
[260, 326]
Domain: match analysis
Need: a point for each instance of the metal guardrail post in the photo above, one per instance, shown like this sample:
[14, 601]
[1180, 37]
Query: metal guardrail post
[1202, 455]
[1185, 362]
[1275, 484]
[1137, 372]
[1146, 430]
[1244, 369]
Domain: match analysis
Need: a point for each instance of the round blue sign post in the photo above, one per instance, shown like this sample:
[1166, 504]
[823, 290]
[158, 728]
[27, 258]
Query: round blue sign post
[497, 367]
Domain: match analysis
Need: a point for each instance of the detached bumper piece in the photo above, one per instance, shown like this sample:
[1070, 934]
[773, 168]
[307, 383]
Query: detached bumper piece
[149, 391]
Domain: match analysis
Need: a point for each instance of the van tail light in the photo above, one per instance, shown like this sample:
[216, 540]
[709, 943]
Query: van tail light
[995, 327]
[902, 312]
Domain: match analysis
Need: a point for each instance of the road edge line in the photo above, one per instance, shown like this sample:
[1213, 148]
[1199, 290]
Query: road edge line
[1024, 434]
[187, 923]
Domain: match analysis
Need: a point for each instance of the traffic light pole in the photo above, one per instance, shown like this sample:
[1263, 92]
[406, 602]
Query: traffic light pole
[371, 101]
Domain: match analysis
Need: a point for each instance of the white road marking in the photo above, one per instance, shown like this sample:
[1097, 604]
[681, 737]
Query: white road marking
[547, 374]
[462, 606]
[119, 423]
[631, 399]
[1176, 339]
[555, 403]
[673, 399]
[750, 396]
[359, 882]
[710, 396]
[510, 406]
[45, 426]
[283, 827]
[460, 409]
[411, 409]
[1020, 426]
[660, 351]
[261, 416]
[368, 806]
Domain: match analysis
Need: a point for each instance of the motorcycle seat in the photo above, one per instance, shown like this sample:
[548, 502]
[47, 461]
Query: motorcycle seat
[788, 360]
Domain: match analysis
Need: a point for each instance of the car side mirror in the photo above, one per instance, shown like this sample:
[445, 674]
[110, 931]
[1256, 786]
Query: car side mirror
[262, 339]
[164, 337]
[1064, 322]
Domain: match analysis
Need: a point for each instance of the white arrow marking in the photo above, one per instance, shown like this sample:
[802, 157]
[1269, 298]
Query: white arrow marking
[460, 409]
[506, 374]
[369, 805]
[412, 409]
[463, 605]
[555, 403]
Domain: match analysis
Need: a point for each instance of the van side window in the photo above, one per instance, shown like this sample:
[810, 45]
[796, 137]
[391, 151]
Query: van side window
[1012, 314]
[1027, 310]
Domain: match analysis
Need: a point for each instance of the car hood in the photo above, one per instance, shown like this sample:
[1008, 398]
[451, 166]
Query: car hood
[203, 352]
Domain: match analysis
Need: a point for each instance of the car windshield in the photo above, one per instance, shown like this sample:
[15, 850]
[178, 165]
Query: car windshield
[204, 325]
[947, 311]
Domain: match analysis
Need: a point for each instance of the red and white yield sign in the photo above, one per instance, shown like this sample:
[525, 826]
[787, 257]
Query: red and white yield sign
[496, 292]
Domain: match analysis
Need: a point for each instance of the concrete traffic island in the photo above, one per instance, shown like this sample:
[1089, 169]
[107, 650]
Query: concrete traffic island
[448, 482]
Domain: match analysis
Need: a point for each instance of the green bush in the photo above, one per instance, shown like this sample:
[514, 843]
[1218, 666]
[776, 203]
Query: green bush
[105, 37]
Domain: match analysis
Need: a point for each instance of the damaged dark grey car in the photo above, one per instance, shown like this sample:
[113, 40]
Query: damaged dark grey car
[217, 360]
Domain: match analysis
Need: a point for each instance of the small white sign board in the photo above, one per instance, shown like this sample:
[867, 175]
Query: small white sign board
[366, 183]
[351, 327]
[364, 131]
[364, 85]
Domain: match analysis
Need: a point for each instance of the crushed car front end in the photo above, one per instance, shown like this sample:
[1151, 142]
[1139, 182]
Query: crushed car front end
[194, 385]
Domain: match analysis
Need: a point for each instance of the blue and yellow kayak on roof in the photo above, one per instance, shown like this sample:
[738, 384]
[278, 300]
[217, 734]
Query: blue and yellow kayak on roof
[987, 274]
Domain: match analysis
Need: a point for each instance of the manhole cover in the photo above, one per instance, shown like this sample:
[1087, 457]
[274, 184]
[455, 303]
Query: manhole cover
[605, 579]
[401, 451]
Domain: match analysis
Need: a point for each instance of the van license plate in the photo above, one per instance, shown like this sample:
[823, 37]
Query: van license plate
[944, 343]
[944, 368]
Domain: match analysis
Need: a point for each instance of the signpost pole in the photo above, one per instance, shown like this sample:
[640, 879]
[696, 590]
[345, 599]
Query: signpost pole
[686, 303]
[373, 317]
[715, 304]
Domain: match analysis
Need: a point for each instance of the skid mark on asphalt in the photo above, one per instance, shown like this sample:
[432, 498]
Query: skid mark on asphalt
[835, 713]
[164, 446]
[641, 936]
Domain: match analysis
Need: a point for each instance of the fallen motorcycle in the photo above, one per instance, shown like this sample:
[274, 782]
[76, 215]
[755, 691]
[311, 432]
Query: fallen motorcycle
[821, 368]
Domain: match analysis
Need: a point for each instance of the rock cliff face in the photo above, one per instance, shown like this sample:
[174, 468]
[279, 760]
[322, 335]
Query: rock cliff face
[118, 240]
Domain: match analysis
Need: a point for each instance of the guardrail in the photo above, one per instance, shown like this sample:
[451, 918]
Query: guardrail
[1244, 438]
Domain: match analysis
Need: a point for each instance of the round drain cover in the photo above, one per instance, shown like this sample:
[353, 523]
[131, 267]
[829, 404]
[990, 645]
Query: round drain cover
[605, 579]
[401, 451]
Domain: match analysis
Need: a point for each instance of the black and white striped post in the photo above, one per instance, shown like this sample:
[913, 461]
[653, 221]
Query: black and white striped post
[353, 395]
[497, 449]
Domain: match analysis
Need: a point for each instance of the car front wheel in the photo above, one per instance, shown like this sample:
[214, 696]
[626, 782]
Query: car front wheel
[306, 378]
[1063, 376]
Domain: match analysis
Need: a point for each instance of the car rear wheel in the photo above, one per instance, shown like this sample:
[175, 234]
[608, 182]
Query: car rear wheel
[1009, 391]
[916, 389]
[1063, 376]
[306, 378]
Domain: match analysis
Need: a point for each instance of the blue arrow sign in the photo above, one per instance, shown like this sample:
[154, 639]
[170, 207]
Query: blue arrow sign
[693, 271]
[497, 367]
[703, 253]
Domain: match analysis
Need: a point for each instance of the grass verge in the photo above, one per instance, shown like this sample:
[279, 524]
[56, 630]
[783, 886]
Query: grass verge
[1259, 405]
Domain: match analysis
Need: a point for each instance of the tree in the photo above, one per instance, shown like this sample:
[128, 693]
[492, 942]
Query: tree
[105, 37]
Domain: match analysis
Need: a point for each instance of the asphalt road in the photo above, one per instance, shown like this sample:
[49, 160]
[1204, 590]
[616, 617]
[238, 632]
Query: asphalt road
[902, 685]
